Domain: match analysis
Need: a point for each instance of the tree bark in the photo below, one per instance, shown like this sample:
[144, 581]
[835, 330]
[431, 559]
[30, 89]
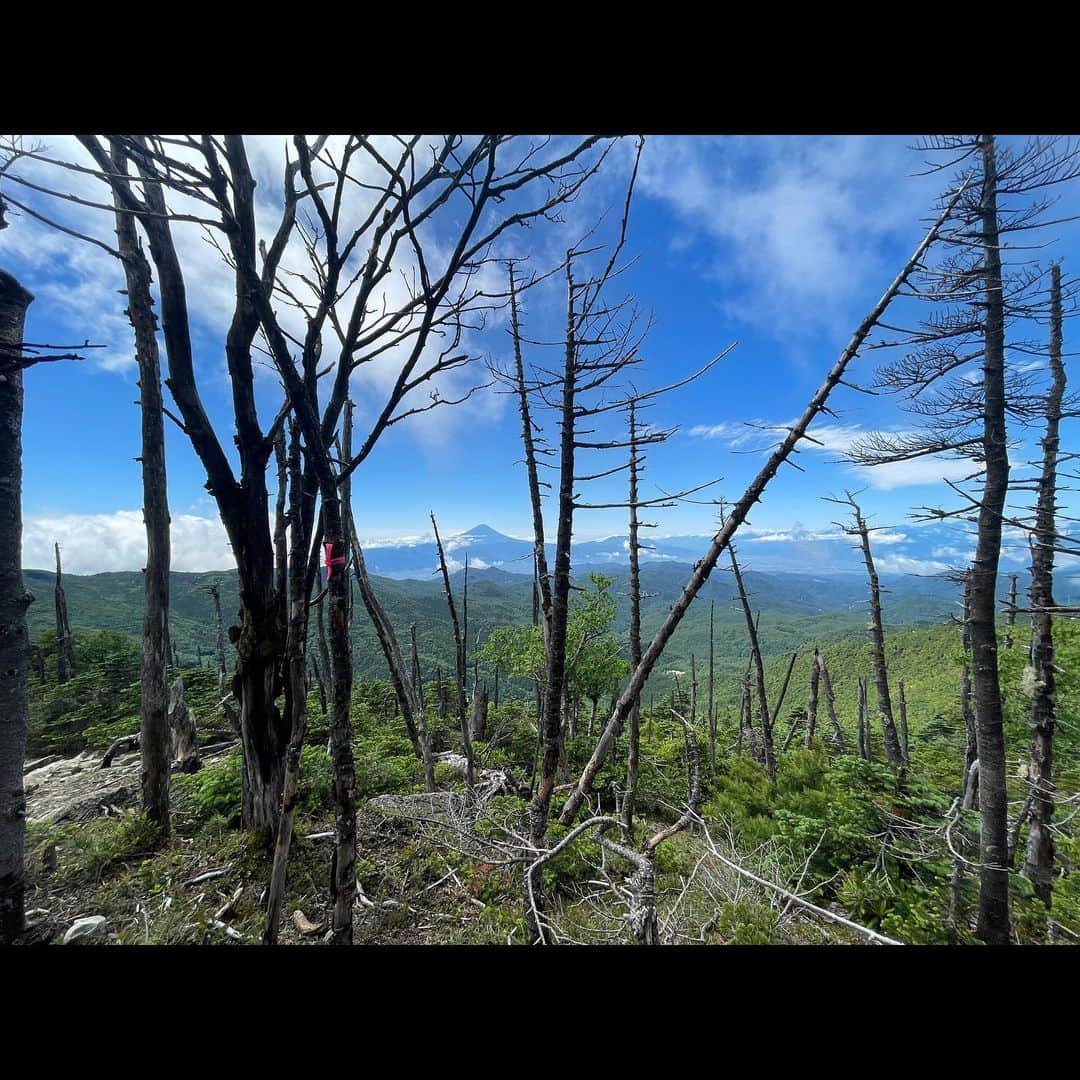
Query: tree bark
[812, 703]
[905, 745]
[219, 643]
[154, 741]
[1038, 864]
[759, 672]
[634, 749]
[893, 751]
[830, 707]
[993, 924]
[295, 688]
[65, 650]
[459, 663]
[14, 599]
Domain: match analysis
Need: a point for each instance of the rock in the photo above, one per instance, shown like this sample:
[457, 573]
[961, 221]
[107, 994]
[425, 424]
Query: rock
[74, 789]
[85, 929]
[442, 805]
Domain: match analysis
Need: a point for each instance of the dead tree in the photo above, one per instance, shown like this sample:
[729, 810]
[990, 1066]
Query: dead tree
[295, 685]
[893, 750]
[768, 751]
[812, 703]
[712, 684]
[1039, 862]
[183, 745]
[640, 436]
[905, 746]
[1010, 609]
[459, 663]
[478, 718]
[219, 642]
[965, 411]
[154, 711]
[703, 568]
[862, 720]
[331, 258]
[14, 600]
[830, 707]
[65, 649]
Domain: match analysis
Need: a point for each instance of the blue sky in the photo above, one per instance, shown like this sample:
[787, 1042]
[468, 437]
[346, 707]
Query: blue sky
[779, 243]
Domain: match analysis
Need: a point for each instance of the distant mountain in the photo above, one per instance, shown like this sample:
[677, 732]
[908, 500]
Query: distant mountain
[914, 553]
[797, 610]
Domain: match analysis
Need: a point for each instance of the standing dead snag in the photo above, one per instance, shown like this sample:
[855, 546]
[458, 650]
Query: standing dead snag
[759, 672]
[295, 687]
[956, 373]
[338, 278]
[904, 744]
[739, 512]
[65, 649]
[459, 663]
[14, 599]
[219, 625]
[1010, 610]
[1038, 864]
[712, 684]
[154, 741]
[812, 704]
[893, 750]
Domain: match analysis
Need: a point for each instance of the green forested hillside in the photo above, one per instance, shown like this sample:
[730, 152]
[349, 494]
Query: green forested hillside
[796, 609]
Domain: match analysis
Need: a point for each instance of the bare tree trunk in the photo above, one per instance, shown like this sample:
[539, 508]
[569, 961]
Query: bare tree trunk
[759, 672]
[65, 649]
[830, 707]
[295, 686]
[215, 592]
[712, 683]
[543, 579]
[703, 568]
[14, 599]
[893, 750]
[634, 748]
[560, 594]
[459, 664]
[154, 704]
[281, 558]
[993, 925]
[783, 694]
[971, 742]
[1038, 865]
[812, 703]
[1010, 613]
[860, 720]
[905, 745]
[478, 721]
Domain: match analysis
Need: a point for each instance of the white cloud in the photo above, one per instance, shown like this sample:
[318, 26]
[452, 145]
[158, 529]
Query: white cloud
[903, 564]
[93, 543]
[802, 220]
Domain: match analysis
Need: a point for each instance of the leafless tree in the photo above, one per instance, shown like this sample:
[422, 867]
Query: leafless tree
[975, 303]
[154, 743]
[739, 512]
[1038, 865]
[356, 211]
[893, 750]
[65, 647]
[459, 662]
[14, 600]
[767, 749]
